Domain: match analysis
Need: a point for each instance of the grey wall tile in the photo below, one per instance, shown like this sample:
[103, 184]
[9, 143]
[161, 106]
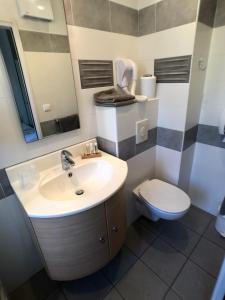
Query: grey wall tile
[207, 12]
[126, 148]
[5, 184]
[220, 13]
[124, 19]
[172, 13]
[68, 12]
[169, 138]
[147, 20]
[190, 137]
[151, 142]
[91, 14]
[107, 145]
[44, 42]
[209, 135]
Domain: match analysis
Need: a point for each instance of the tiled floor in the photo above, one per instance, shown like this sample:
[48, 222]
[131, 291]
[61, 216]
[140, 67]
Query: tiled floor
[167, 260]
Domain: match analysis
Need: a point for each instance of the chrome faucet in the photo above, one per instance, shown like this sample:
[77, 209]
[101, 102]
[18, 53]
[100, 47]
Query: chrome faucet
[66, 160]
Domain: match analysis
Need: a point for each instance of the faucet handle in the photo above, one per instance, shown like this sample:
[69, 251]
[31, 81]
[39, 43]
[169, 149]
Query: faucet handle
[66, 153]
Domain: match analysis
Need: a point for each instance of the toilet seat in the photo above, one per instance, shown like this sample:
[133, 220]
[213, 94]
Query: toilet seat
[164, 196]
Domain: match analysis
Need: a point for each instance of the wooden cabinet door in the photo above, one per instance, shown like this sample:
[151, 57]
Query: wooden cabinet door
[74, 246]
[116, 221]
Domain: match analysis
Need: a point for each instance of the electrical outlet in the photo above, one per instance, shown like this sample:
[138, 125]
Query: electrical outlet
[141, 131]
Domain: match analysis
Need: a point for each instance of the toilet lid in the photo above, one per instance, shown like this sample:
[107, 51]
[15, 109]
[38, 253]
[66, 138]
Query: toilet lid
[164, 196]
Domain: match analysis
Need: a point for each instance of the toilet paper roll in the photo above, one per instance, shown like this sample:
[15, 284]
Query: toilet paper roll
[148, 86]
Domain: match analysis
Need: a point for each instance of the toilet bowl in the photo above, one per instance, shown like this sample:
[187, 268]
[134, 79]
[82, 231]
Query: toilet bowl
[156, 199]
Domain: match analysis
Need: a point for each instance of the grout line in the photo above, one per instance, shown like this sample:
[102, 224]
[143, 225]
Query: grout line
[213, 276]
[161, 279]
[115, 283]
[119, 292]
[170, 289]
[62, 290]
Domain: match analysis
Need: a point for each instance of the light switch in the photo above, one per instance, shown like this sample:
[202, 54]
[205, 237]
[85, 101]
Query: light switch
[46, 107]
[141, 131]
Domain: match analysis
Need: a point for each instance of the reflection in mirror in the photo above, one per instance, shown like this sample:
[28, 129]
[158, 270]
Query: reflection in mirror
[37, 58]
[10, 56]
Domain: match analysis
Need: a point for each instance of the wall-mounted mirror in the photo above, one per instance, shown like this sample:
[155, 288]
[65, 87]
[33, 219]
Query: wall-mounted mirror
[34, 46]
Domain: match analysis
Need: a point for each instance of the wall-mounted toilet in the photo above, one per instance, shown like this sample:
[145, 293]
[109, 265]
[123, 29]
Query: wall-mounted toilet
[157, 199]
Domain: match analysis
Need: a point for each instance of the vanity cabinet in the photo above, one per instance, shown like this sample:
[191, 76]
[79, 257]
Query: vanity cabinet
[78, 245]
[116, 221]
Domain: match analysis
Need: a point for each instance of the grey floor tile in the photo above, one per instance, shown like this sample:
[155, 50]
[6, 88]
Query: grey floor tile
[139, 238]
[180, 237]
[209, 256]
[172, 296]
[93, 287]
[58, 295]
[141, 283]
[113, 295]
[196, 219]
[193, 283]
[155, 227]
[40, 286]
[118, 267]
[164, 260]
[214, 236]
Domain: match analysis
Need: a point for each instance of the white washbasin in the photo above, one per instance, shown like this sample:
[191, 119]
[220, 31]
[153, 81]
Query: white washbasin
[46, 190]
[89, 176]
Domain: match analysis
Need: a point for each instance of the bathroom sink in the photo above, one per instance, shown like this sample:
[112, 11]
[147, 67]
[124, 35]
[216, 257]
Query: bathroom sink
[79, 183]
[47, 191]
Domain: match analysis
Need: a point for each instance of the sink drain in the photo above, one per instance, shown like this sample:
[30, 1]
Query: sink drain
[79, 192]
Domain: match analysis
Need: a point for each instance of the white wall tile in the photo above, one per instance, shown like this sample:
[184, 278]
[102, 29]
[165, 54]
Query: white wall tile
[96, 44]
[201, 51]
[127, 117]
[107, 123]
[214, 90]
[168, 164]
[140, 167]
[176, 41]
[173, 101]
[207, 188]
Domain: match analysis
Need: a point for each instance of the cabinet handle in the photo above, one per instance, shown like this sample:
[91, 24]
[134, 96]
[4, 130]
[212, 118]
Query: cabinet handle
[102, 239]
[115, 229]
